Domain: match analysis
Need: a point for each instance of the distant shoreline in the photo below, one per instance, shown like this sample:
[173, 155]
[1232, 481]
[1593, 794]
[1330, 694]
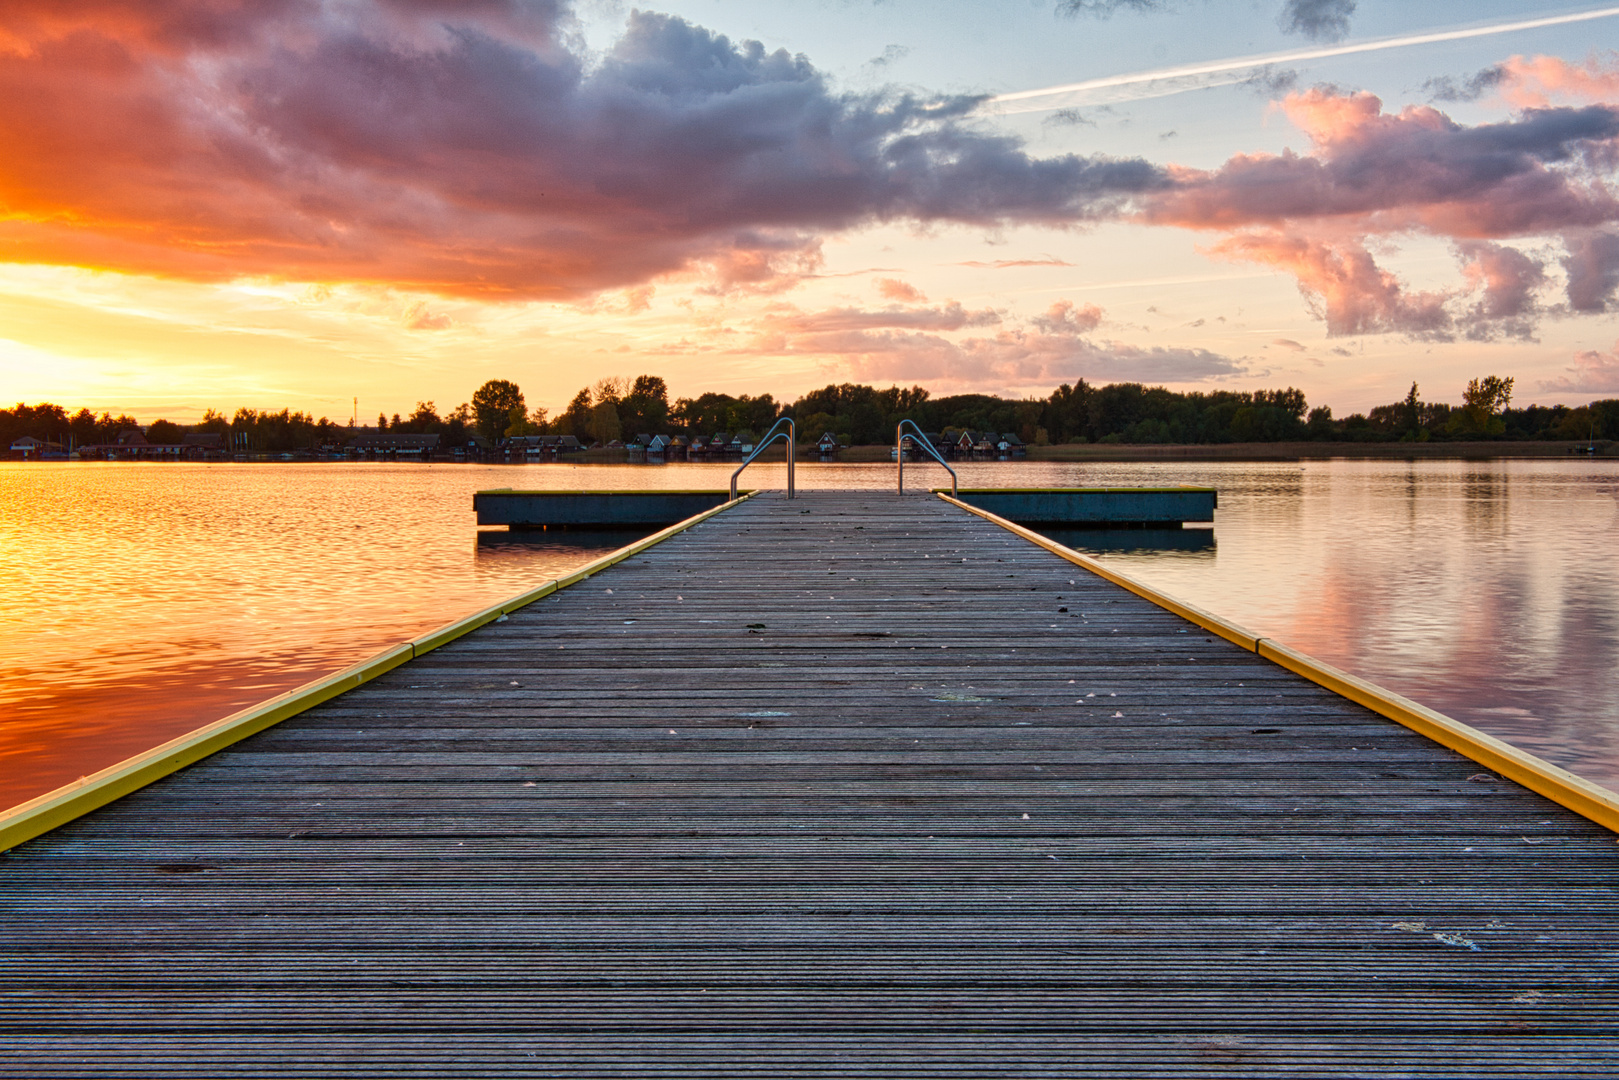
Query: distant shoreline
[1105, 452]
[1287, 451]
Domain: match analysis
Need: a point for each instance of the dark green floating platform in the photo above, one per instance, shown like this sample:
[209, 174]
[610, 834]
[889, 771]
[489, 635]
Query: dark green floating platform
[594, 509]
[1103, 506]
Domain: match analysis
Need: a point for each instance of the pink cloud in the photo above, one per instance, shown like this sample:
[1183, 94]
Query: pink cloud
[1592, 373]
[1508, 279]
[910, 344]
[1064, 318]
[1371, 173]
[1378, 173]
[894, 289]
[1344, 284]
[1537, 81]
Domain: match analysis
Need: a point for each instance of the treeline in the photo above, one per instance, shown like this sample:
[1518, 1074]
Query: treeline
[259, 430]
[623, 409]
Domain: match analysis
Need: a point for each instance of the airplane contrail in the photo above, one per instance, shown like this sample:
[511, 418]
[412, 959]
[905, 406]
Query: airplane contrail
[1165, 81]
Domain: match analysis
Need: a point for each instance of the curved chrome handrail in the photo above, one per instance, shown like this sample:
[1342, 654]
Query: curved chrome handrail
[771, 436]
[922, 441]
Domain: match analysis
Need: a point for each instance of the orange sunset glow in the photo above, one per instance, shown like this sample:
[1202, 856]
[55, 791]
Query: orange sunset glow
[286, 203]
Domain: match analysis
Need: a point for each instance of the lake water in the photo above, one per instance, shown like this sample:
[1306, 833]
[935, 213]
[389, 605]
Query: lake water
[139, 601]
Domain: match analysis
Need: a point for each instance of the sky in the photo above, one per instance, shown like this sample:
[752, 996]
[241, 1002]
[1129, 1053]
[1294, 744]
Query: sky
[313, 203]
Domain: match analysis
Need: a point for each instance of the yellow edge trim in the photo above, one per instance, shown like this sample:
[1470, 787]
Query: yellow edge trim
[1175, 490]
[45, 812]
[1589, 800]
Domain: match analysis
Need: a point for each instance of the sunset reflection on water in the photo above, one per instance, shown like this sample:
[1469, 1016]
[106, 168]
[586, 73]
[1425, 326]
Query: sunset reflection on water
[138, 602]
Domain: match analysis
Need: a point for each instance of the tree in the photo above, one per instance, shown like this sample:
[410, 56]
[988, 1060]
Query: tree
[610, 390]
[492, 405]
[457, 425]
[1481, 402]
[645, 409]
[423, 420]
[1412, 416]
[164, 432]
[604, 425]
[575, 419]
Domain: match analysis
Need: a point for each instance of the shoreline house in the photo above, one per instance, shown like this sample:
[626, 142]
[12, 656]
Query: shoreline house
[131, 445]
[204, 446]
[908, 443]
[828, 445]
[540, 447]
[388, 446]
[29, 448]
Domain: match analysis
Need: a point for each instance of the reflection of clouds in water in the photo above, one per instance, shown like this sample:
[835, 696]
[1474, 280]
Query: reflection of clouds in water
[139, 601]
[1486, 590]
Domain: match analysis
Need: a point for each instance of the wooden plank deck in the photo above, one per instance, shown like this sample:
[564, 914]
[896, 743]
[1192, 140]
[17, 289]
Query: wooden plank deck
[852, 785]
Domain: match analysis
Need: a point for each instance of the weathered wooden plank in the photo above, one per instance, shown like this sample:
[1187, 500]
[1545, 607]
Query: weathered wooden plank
[626, 832]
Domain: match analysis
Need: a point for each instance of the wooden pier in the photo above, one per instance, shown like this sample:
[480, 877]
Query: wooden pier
[850, 785]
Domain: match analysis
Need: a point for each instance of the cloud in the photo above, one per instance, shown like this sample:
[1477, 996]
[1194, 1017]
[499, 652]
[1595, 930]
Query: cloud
[1592, 266]
[1473, 87]
[1536, 82]
[474, 149]
[418, 317]
[1064, 318]
[1344, 285]
[1371, 174]
[950, 316]
[894, 289]
[1288, 344]
[1508, 278]
[1104, 9]
[1069, 118]
[1318, 20]
[1414, 169]
[1592, 373]
[1006, 264]
[1016, 358]
[911, 343]
[891, 55]
[1271, 80]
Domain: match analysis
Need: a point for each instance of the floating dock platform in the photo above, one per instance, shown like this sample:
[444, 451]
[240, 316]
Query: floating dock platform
[591, 509]
[1143, 507]
[851, 785]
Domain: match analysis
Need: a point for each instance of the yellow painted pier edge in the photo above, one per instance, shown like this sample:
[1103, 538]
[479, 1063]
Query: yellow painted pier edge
[43, 813]
[1567, 789]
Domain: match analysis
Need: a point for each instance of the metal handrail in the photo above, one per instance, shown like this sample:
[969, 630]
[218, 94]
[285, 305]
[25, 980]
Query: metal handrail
[921, 440]
[771, 436]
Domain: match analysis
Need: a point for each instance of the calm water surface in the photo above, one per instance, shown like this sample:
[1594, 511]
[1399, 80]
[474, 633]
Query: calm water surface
[139, 601]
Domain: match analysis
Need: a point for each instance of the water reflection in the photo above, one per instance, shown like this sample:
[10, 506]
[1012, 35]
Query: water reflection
[555, 545]
[1198, 542]
[139, 601]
